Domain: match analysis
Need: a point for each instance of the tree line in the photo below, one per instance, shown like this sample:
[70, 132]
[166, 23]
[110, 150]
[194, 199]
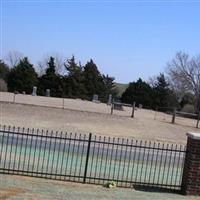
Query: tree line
[78, 82]
[180, 85]
[150, 95]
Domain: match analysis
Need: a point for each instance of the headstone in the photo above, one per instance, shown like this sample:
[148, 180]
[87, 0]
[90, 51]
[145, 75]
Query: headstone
[110, 99]
[118, 106]
[34, 93]
[47, 92]
[95, 98]
[140, 106]
[23, 92]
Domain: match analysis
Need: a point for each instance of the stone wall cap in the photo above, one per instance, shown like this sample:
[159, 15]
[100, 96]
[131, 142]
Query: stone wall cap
[195, 136]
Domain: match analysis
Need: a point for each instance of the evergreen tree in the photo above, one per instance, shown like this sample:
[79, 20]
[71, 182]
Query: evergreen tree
[93, 80]
[74, 81]
[50, 80]
[140, 92]
[163, 96]
[96, 83]
[109, 87]
[22, 77]
[4, 70]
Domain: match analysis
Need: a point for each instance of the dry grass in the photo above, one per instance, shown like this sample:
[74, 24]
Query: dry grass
[10, 192]
[84, 117]
[26, 188]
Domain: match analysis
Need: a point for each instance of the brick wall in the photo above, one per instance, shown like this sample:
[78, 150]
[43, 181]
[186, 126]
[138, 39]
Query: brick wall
[191, 172]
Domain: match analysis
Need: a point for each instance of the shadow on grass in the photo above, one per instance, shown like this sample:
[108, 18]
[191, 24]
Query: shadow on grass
[179, 124]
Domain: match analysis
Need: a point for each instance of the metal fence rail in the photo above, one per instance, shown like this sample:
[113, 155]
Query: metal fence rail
[90, 159]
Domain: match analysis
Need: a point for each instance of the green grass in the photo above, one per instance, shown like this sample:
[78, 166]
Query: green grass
[120, 87]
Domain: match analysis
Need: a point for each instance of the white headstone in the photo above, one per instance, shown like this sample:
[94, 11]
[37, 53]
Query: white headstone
[34, 93]
[95, 98]
[110, 99]
[47, 92]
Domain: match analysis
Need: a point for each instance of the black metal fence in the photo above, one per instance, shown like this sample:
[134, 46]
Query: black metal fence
[90, 159]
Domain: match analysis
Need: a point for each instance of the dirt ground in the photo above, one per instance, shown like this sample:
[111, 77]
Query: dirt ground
[85, 117]
[26, 188]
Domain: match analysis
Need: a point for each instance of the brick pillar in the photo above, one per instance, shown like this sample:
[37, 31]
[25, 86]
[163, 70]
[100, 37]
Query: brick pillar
[191, 172]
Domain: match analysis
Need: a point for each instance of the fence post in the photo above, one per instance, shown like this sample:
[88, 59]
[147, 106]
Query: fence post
[87, 157]
[197, 126]
[14, 98]
[63, 103]
[112, 107]
[133, 110]
[191, 172]
[155, 113]
[174, 116]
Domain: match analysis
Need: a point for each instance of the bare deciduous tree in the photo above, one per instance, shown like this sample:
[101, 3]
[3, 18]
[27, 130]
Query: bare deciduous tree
[13, 58]
[184, 74]
[59, 63]
[152, 81]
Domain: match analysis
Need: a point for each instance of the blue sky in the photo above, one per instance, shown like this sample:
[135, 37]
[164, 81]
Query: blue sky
[126, 39]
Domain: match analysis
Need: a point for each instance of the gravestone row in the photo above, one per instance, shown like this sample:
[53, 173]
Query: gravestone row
[34, 92]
